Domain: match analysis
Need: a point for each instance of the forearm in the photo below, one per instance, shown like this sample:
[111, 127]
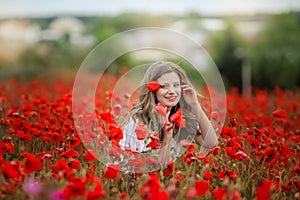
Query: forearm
[164, 152]
[208, 138]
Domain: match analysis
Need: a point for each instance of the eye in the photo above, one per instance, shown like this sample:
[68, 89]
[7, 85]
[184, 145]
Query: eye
[162, 86]
[176, 85]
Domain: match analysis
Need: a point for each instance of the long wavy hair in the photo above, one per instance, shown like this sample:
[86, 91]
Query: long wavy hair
[141, 110]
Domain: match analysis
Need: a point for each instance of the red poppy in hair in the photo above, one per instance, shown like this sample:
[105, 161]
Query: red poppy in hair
[153, 86]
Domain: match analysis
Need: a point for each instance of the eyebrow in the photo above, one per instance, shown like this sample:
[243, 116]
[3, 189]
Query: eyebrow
[170, 83]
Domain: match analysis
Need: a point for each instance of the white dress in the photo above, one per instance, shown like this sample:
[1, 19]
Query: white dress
[131, 142]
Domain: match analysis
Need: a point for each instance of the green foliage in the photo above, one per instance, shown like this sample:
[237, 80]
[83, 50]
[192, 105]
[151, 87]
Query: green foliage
[107, 26]
[45, 57]
[274, 53]
[226, 50]
[275, 57]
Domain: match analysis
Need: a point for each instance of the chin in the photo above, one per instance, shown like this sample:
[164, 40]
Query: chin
[171, 104]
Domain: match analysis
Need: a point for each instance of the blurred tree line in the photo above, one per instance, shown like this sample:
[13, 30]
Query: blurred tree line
[275, 57]
[273, 54]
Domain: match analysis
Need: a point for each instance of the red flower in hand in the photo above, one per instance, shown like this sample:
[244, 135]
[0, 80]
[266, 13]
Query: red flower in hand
[153, 86]
[160, 109]
[178, 119]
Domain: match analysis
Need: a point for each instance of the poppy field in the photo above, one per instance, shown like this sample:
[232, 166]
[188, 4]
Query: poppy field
[43, 157]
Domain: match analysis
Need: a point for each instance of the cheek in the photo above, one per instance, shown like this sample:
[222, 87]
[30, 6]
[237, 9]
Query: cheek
[159, 94]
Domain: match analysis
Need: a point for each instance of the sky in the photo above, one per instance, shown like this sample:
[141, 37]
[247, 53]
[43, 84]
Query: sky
[38, 8]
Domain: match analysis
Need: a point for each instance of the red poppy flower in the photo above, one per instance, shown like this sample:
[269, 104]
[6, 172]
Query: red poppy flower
[23, 136]
[240, 155]
[228, 132]
[154, 144]
[75, 189]
[71, 153]
[115, 134]
[107, 117]
[190, 158]
[202, 187]
[154, 136]
[112, 171]
[230, 151]
[263, 191]
[190, 147]
[73, 142]
[233, 122]
[123, 195]
[218, 193]
[227, 173]
[32, 163]
[179, 176]
[7, 147]
[61, 165]
[160, 109]
[75, 164]
[90, 156]
[141, 131]
[57, 137]
[10, 171]
[177, 117]
[207, 175]
[45, 155]
[36, 132]
[280, 113]
[153, 86]
[170, 169]
[151, 189]
[16, 123]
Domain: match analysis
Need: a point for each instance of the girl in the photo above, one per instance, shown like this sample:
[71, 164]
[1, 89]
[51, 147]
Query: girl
[173, 90]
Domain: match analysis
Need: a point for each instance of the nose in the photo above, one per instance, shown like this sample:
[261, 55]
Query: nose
[171, 90]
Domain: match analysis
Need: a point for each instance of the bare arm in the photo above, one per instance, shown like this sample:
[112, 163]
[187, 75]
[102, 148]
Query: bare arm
[164, 152]
[208, 138]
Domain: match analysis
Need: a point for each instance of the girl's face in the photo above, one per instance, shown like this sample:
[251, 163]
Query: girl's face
[170, 90]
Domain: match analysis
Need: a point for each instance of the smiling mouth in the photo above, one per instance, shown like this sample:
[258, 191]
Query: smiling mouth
[173, 98]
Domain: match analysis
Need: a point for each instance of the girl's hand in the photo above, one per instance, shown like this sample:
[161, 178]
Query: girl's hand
[189, 94]
[168, 132]
[168, 126]
[164, 120]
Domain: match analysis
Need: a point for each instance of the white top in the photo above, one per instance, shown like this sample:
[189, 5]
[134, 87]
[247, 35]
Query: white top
[130, 140]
